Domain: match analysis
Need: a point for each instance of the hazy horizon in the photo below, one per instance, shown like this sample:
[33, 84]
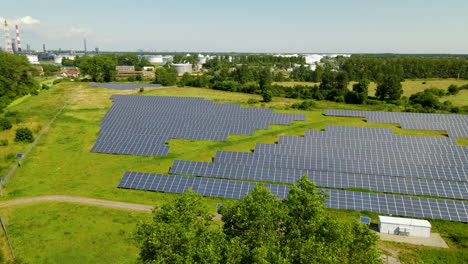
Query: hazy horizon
[363, 26]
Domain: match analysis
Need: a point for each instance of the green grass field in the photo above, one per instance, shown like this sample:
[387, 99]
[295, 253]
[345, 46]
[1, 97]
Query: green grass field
[72, 233]
[62, 164]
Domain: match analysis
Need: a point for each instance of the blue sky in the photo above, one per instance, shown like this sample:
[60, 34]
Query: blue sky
[333, 26]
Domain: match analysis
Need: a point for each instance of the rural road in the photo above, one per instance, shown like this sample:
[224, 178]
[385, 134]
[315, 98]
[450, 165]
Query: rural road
[81, 200]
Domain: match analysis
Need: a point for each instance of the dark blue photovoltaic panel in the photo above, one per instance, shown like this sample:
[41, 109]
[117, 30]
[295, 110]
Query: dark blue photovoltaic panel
[331, 179]
[455, 125]
[142, 125]
[379, 203]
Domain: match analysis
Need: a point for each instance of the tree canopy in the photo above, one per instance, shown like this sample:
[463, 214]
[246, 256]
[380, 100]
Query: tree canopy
[100, 68]
[14, 78]
[260, 228]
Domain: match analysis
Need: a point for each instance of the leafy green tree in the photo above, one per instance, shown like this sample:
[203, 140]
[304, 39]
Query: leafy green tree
[166, 76]
[264, 78]
[180, 232]
[100, 68]
[267, 94]
[259, 228]
[361, 90]
[389, 88]
[14, 78]
[24, 134]
[453, 89]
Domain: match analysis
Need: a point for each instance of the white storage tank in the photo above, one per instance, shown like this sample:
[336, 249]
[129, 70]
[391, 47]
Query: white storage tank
[58, 59]
[182, 68]
[155, 59]
[404, 226]
[33, 59]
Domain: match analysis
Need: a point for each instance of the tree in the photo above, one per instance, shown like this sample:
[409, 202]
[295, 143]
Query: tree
[166, 76]
[259, 228]
[24, 134]
[360, 91]
[14, 78]
[180, 232]
[267, 95]
[100, 68]
[389, 88]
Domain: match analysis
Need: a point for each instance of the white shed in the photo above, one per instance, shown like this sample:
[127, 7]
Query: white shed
[404, 226]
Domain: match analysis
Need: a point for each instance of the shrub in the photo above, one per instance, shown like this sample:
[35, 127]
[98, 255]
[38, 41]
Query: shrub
[24, 134]
[138, 78]
[435, 91]
[10, 157]
[267, 95]
[4, 142]
[45, 87]
[5, 124]
[455, 109]
[453, 89]
[131, 79]
[57, 81]
[306, 105]
[34, 92]
[142, 89]
[252, 101]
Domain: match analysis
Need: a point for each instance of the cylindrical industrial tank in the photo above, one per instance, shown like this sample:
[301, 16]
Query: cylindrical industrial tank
[182, 68]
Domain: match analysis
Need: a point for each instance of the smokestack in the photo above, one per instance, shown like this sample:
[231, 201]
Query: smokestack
[43, 48]
[8, 46]
[18, 40]
[84, 41]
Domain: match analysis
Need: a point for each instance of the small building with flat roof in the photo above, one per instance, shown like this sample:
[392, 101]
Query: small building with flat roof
[404, 226]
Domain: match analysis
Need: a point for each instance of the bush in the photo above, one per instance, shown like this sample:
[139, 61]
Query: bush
[131, 79]
[57, 81]
[267, 95]
[142, 89]
[34, 92]
[4, 142]
[455, 109]
[306, 105]
[436, 91]
[5, 124]
[45, 87]
[10, 157]
[139, 78]
[453, 89]
[24, 134]
[252, 101]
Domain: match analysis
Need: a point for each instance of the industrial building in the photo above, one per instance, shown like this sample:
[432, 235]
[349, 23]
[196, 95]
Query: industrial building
[182, 68]
[58, 59]
[404, 226]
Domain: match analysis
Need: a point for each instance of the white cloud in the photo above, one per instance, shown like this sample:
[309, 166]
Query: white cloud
[27, 20]
[78, 32]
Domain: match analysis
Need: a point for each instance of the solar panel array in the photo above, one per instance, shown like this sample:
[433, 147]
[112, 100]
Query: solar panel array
[141, 125]
[455, 125]
[123, 86]
[380, 203]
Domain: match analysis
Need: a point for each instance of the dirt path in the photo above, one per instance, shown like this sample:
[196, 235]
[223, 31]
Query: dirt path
[81, 200]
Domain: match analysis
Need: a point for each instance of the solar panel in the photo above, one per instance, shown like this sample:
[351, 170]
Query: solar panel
[364, 220]
[455, 125]
[141, 125]
[379, 203]
[330, 179]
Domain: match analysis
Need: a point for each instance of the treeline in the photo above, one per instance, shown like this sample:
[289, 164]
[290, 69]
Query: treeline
[118, 59]
[15, 78]
[255, 60]
[405, 68]
[260, 228]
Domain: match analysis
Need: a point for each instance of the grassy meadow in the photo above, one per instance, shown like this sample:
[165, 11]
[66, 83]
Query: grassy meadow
[55, 232]
[61, 164]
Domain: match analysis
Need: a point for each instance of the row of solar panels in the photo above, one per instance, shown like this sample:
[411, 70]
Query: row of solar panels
[380, 203]
[330, 179]
[123, 86]
[455, 125]
[141, 125]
